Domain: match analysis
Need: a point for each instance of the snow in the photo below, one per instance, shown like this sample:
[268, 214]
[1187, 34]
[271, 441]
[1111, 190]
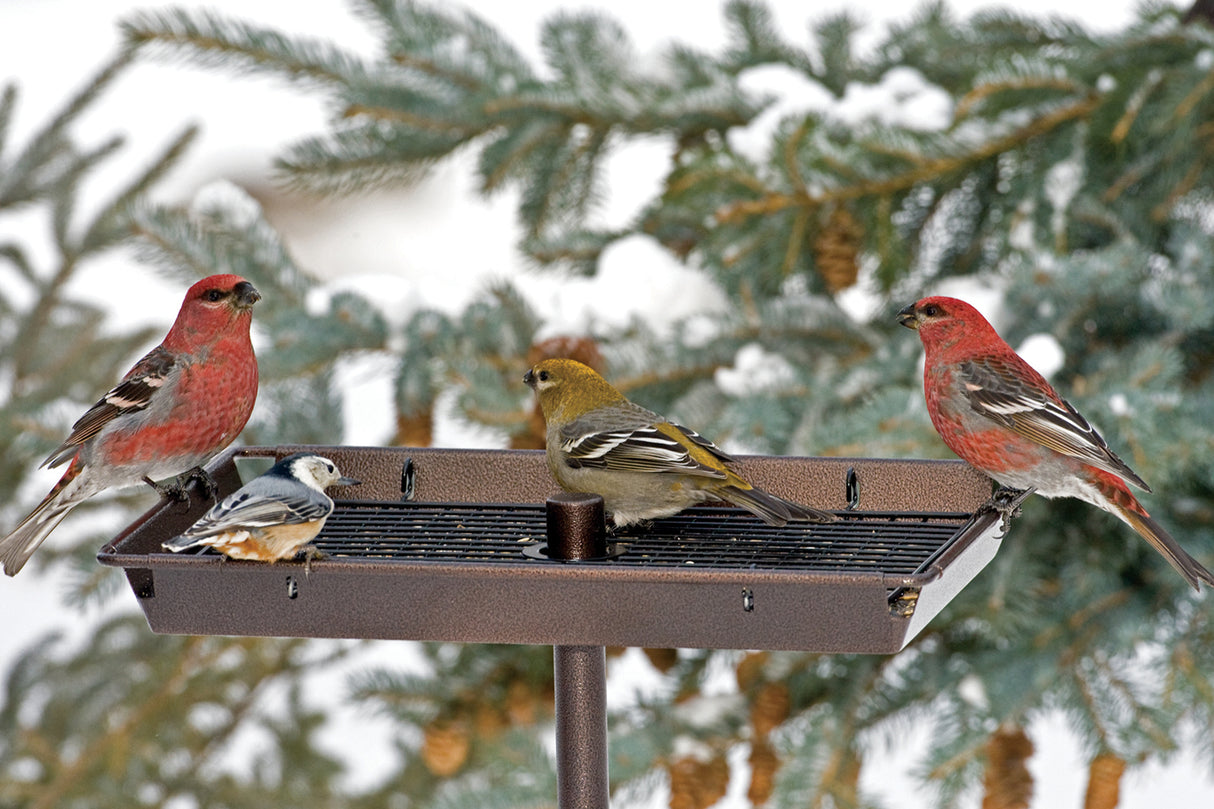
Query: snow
[403, 247]
[229, 198]
[793, 93]
[368, 412]
[631, 679]
[862, 301]
[637, 277]
[1044, 353]
[902, 98]
[755, 369]
[1062, 182]
[972, 690]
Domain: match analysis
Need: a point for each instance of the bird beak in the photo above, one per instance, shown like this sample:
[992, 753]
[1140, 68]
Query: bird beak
[908, 317]
[344, 481]
[246, 295]
[529, 379]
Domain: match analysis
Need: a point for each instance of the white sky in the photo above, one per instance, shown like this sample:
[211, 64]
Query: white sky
[49, 46]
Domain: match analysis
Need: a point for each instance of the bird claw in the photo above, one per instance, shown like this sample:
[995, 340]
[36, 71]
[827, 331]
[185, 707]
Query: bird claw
[169, 491]
[204, 480]
[177, 489]
[310, 552]
[1006, 502]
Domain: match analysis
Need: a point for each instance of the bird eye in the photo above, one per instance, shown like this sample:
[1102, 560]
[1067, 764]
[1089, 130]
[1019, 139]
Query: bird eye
[931, 310]
[213, 295]
[543, 376]
[330, 468]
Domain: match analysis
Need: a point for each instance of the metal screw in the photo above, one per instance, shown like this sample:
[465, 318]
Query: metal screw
[408, 480]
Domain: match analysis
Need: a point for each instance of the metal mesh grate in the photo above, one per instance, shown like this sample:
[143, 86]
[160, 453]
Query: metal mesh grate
[705, 537]
[893, 543]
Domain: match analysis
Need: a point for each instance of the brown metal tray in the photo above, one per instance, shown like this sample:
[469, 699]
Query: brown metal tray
[463, 560]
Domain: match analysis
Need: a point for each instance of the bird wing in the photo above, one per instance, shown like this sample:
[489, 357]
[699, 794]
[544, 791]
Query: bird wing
[258, 507]
[660, 447]
[996, 391]
[134, 393]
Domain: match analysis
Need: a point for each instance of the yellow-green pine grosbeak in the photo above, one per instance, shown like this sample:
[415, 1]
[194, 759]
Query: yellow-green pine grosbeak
[1002, 417]
[273, 516]
[642, 465]
[186, 400]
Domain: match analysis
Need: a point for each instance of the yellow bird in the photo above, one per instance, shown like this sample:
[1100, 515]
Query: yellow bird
[642, 465]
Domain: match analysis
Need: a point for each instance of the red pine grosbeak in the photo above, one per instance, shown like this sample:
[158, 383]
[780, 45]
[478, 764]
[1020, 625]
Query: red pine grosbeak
[1002, 417]
[186, 400]
[273, 516]
[643, 466]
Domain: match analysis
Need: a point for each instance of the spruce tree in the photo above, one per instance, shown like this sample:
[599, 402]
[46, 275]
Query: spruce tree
[1071, 179]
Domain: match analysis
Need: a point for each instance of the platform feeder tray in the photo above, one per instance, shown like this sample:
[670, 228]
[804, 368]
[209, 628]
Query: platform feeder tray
[454, 545]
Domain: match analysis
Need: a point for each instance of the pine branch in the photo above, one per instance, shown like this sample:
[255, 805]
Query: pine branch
[837, 61]
[454, 45]
[355, 159]
[929, 169]
[40, 168]
[754, 38]
[17, 257]
[8, 103]
[989, 86]
[198, 653]
[110, 225]
[212, 40]
[63, 191]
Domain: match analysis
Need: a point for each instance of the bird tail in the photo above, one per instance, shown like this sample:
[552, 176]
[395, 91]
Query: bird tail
[182, 542]
[771, 509]
[1192, 570]
[19, 546]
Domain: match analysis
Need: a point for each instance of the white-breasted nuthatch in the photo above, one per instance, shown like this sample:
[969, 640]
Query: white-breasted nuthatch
[272, 517]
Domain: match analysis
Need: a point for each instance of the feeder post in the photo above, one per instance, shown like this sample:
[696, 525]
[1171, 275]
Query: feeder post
[575, 531]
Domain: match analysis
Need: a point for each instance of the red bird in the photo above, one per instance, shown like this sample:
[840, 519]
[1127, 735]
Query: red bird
[1002, 417]
[186, 400]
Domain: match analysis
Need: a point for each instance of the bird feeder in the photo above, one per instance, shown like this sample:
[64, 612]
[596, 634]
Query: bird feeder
[472, 546]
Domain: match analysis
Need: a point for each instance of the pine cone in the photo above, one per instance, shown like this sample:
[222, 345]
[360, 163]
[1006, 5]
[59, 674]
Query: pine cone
[1104, 782]
[837, 250]
[770, 708]
[521, 703]
[750, 669]
[414, 429]
[662, 659]
[445, 747]
[489, 720]
[1008, 783]
[764, 764]
[696, 784]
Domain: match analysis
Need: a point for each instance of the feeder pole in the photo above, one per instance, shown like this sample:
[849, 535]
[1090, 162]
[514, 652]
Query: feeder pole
[575, 531]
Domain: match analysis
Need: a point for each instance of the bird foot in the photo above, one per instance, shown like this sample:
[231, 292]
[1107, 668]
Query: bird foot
[310, 552]
[1006, 502]
[176, 490]
[204, 480]
[169, 491]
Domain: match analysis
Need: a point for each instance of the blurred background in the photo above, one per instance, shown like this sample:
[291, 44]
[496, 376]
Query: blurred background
[720, 207]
